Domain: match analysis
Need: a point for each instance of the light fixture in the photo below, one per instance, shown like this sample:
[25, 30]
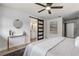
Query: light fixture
[48, 8]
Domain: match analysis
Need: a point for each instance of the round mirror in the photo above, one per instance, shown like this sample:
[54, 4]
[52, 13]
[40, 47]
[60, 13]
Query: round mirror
[18, 24]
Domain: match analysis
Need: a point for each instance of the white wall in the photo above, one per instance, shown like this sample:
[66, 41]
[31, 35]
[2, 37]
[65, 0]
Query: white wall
[45, 29]
[7, 16]
[59, 27]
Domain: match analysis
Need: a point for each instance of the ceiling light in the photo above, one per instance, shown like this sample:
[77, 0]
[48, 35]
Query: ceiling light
[48, 8]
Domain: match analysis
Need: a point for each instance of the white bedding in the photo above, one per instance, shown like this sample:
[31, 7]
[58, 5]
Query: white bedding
[41, 48]
[65, 48]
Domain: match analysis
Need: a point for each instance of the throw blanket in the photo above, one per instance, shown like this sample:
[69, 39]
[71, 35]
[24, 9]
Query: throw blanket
[41, 48]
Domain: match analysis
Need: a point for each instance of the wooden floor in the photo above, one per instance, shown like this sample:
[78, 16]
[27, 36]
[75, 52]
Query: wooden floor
[33, 39]
[11, 50]
[19, 52]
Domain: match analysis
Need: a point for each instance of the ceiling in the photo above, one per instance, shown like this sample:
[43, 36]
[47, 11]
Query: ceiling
[31, 8]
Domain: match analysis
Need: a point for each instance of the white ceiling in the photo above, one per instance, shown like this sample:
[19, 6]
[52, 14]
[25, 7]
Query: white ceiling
[31, 8]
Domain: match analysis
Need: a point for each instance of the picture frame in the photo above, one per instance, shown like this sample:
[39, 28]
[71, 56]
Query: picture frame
[53, 27]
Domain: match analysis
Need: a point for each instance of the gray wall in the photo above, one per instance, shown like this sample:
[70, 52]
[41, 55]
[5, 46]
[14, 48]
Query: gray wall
[77, 28]
[76, 24]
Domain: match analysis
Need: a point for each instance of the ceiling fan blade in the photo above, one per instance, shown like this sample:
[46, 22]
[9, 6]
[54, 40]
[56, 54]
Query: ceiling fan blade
[49, 11]
[40, 4]
[57, 7]
[41, 10]
[49, 4]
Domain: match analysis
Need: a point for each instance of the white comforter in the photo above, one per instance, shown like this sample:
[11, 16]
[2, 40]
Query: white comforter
[41, 48]
[65, 48]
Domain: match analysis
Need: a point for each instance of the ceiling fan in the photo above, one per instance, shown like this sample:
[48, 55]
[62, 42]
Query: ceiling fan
[48, 7]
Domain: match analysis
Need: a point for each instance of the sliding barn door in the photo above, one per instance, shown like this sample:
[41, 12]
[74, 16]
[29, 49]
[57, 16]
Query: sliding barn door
[40, 29]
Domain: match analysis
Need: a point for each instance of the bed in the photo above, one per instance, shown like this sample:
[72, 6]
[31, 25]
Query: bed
[56, 46]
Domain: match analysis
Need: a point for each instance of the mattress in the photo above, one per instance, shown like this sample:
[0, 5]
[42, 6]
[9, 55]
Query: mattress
[65, 48]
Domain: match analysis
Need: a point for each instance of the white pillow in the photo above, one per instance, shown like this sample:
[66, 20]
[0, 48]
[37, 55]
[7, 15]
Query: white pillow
[77, 41]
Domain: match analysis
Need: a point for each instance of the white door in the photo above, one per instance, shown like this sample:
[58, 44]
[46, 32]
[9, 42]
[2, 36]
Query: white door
[70, 30]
